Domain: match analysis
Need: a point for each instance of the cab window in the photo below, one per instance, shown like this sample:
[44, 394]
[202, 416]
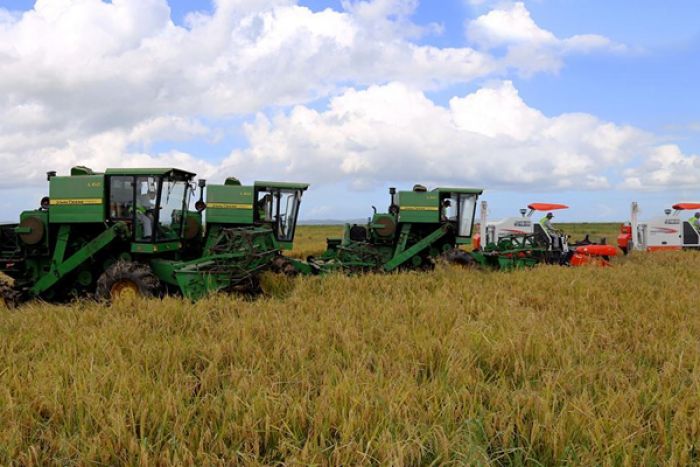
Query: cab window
[264, 207]
[170, 215]
[467, 208]
[279, 208]
[121, 198]
[289, 209]
[146, 197]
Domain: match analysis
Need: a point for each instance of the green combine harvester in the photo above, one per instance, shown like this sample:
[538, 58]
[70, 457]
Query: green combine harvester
[274, 205]
[131, 231]
[418, 227]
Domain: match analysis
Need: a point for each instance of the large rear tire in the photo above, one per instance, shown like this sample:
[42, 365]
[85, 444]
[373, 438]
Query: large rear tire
[126, 278]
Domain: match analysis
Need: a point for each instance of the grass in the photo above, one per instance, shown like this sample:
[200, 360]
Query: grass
[547, 366]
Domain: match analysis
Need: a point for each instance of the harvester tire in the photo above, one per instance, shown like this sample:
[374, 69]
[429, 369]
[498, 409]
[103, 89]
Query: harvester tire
[282, 265]
[459, 257]
[127, 276]
[9, 297]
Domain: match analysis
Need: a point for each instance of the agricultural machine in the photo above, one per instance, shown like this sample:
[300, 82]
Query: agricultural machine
[521, 241]
[418, 227]
[131, 231]
[273, 205]
[494, 231]
[670, 232]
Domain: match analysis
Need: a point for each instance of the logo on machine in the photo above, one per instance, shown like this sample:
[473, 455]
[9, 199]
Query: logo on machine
[228, 206]
[523, 224]
[94, 184]
[75, 201]
[419, 208]
[672, 221]
[663, 230]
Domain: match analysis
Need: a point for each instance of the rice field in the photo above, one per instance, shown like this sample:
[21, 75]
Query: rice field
[549, 366]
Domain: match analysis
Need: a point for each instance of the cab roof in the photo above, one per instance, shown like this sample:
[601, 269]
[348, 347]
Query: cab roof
[686, 206]
[281, 185]
[467, 191]
[546, 206]
[158, 171]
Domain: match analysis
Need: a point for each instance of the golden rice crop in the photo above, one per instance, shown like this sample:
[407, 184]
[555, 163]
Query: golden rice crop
[546, 366]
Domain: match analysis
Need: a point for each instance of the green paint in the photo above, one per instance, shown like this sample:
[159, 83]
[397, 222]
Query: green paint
[230, 204]
[60, 269]
[265, 186]
[77, 199]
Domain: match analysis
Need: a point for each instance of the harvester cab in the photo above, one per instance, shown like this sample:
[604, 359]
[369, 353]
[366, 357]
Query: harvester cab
[419, 226]
[152, 203]
[676, 230]
[266, 205]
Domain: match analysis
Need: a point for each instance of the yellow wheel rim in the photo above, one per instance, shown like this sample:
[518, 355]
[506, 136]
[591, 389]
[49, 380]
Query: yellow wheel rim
[124, 289]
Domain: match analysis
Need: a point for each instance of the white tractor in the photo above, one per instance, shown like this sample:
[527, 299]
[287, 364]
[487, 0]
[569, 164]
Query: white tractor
[492, 232]
[674, 231]
[527, 236]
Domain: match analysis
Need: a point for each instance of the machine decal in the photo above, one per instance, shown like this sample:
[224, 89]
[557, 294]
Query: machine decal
[75, 201]
[664, 230]
[229, 206]
[419, 208]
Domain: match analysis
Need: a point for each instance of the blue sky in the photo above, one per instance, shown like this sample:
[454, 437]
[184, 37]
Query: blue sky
[632, 80]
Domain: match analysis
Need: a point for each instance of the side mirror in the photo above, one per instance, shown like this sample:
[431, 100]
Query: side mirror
[202, 205]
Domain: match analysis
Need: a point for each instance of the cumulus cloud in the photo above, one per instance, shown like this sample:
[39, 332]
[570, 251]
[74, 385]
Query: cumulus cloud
[665, 166]
[528, 47]
[490, 137]
[101, 83]
[72, 71]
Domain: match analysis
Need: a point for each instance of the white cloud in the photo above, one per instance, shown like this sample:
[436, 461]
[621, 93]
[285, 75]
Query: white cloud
[490, 137]
[664, 167]
[82, 80]
[529, 48]
[100, 83]
[507, 25]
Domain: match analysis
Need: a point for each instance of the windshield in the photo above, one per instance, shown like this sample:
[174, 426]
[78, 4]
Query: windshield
[279, 208]
[146, 194]
[289, 208]
[172, 200]
[467, 207]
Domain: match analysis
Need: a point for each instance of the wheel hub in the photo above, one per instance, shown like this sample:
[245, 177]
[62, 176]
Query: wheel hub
[124, 289]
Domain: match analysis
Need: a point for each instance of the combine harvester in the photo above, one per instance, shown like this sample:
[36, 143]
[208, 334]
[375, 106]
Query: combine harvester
[520, 241]
[131, 231]
[670, 232]
[418, 227]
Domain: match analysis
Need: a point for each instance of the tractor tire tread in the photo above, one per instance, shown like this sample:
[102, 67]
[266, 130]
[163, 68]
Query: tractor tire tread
[11, 297]
[140, 274]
